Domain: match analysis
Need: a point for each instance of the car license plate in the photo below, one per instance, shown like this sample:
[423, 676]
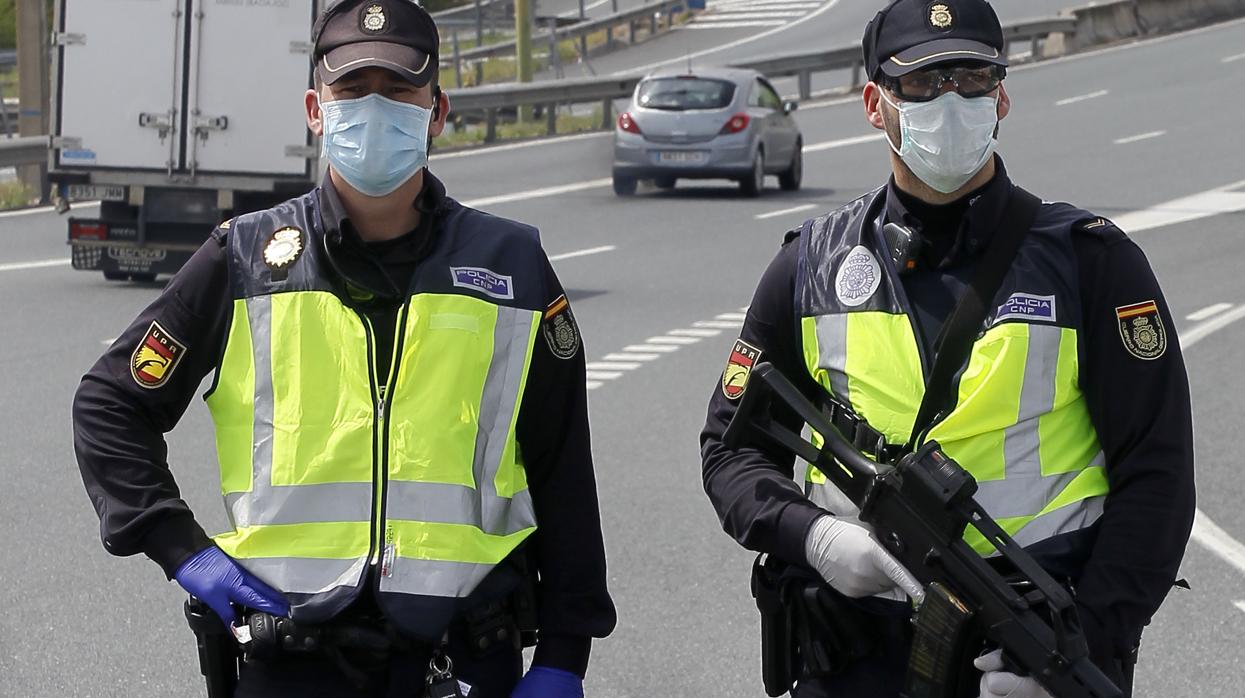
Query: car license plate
[96, 192]
[682, 156]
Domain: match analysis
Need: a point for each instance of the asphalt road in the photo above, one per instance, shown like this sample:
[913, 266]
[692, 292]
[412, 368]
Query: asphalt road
[1119, 132]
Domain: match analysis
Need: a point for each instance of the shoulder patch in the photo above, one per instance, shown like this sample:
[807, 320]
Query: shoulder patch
[1141, 330]
[560, 330]
[1098, 227]
[156, 357]
[739, 366]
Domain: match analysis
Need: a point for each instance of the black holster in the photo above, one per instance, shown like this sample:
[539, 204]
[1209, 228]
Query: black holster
[807, 629]
[218, 651]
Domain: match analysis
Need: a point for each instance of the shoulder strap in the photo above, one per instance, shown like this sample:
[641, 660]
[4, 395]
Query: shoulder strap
[955, 341]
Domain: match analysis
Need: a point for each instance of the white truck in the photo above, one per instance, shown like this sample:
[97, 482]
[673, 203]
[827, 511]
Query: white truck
[176, 115]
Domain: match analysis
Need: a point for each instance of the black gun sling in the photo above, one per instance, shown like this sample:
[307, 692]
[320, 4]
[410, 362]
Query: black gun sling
[963, 326]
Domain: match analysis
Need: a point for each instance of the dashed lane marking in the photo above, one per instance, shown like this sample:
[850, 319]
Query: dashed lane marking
[645, 348]
[613, 366]
[538, 193]
[1139, 137]
[842, 142]
[628, 356]
[1082, 98]
[785, 211]
[18, 266]
[1240, 605]
[604, 375]
[717, 324]
[1232, 59]
[735, 25]
[680, 341]
[582, 253]
[1208, 312]
[699, 333]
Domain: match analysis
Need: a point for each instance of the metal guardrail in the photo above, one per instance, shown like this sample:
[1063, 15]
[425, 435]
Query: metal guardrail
[29, 150]
[490, 99]
[648, 11]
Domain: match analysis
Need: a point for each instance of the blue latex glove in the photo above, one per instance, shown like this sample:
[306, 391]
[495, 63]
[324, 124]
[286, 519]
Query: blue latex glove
[216, 580]
[543, 682]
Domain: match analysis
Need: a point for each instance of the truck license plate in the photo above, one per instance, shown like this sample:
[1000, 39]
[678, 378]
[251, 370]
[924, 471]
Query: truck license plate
[96, 192]
[685, 156]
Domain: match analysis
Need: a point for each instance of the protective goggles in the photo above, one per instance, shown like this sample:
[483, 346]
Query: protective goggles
[925, 85]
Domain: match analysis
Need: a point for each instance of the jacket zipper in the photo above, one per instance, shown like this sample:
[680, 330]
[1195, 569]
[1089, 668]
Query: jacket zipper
[377, 553]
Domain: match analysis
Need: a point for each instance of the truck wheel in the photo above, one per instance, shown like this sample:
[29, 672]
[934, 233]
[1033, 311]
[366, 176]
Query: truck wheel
[143, 278]
[116, 276]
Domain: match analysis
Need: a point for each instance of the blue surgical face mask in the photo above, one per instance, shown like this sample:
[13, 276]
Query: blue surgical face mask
[375, 143]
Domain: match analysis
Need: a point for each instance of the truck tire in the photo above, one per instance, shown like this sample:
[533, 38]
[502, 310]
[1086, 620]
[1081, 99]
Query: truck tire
[116, 276]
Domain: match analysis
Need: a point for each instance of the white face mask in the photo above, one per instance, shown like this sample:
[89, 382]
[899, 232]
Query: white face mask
[946, 140]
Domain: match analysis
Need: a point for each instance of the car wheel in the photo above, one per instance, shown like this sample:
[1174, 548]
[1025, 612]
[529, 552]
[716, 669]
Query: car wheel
[794, 176]
[665, 182]
[755, 183]
[624, 186]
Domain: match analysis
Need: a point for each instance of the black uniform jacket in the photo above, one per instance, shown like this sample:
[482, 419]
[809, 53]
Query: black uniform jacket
[1122, 566]
[119, 425]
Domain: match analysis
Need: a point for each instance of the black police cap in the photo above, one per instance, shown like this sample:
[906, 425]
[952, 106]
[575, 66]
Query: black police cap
[909, 35]
[398, 35]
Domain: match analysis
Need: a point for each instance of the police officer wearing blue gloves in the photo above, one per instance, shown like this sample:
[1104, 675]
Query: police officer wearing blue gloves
[1071, 410]
[400, 408]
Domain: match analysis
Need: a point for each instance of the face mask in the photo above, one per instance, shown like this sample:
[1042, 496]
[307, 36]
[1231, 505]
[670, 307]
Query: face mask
[375, 143]
[947, 140]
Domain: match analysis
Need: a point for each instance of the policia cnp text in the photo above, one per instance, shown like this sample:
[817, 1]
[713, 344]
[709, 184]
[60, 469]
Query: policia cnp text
[400, 413]
[1071, 410]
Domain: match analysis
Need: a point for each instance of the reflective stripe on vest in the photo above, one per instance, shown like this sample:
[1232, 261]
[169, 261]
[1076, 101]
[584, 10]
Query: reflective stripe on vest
[298, 439]
[1020, 425]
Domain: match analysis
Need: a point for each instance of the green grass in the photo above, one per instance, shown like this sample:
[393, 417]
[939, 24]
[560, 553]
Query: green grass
[14, 195]
[566, 123]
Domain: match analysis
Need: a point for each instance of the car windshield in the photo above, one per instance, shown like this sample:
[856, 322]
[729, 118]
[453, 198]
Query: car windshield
[685, 93]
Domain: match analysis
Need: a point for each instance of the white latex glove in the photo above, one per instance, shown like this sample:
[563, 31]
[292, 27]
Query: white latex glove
[997, 683]
[854, 563]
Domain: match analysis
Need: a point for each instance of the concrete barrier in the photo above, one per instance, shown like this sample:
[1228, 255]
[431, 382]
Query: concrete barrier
[1124, 19]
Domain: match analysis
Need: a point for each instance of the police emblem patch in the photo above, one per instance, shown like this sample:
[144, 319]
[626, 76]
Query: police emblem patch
[1141, 330]
[155, 357]
[283, 248]
[373, 19]
[744, 357]
[940, 16]
[858, 277]
[561, 332]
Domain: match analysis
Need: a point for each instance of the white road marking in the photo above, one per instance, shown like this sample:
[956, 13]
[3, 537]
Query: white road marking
[1140, 137]
[733, 44]
[46, 209]
[435, 158]
[1081, 98]
[673, 340]
[582, 253]
[1208, 311]
[630, 356]
[1190, 208]
[842, 142]
[717, 324]
[1240, 605]
[1205, 531]
[593, 385]
[19, 266]
[538, 193]
[694, 333]
[659, 348]
[785, 211]
[734, 25]
[733, 316]
[612, 366]
[604, 375]
[107, 342]
[747, 14]
[1232, 59]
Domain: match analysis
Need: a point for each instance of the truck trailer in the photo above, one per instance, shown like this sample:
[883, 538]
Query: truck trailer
[176, 115]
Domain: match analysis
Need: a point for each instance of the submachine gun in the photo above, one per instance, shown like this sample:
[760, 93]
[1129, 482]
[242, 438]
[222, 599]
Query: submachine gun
[919, 508]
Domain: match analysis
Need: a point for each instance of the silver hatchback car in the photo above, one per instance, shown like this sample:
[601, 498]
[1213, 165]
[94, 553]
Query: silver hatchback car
[715, 123]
